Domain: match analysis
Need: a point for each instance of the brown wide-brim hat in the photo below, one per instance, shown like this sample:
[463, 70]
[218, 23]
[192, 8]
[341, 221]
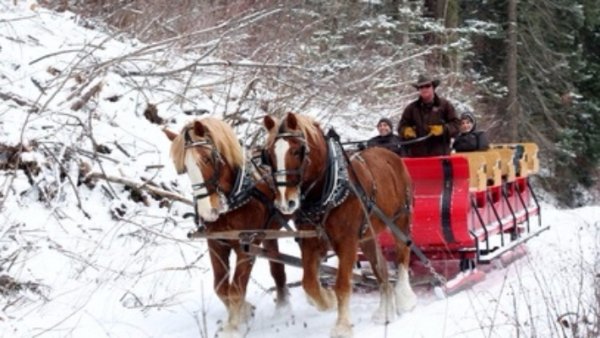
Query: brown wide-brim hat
[425, 80]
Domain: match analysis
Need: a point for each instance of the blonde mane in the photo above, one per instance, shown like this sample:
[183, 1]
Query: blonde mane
[306, 124]
[219, 133]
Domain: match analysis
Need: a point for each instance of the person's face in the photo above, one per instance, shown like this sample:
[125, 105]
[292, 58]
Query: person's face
[383, 129]
[426, 92]
[465, 126]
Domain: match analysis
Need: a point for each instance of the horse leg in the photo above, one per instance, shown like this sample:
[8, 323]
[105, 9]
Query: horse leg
[385, 313]
[346, 253]
[323, 299]
[278, 274]
[219, 259]
[240, 310]
[406, 299]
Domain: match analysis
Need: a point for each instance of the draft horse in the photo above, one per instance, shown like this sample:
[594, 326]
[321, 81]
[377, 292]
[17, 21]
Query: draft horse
[315, 184]
[228, 196]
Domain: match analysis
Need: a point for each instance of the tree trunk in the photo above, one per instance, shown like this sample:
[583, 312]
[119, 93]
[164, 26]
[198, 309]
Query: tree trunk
[453, 59]
[448, 12]
[512, 110]
[391, 9]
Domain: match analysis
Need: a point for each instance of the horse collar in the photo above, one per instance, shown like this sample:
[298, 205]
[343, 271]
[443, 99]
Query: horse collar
[242, 189]
[336, 187]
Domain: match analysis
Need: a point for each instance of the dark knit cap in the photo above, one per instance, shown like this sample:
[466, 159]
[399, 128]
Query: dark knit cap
[386, 121]
[468, 115]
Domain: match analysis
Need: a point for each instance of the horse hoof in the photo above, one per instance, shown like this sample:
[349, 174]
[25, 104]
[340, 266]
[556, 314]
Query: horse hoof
[229, 332]
[386, 312]
[319, 305]
[282, 305]
[342, 331]
[247, 312]
[406, 299]
[383, 316]
[406, 302]
[327, 301]
[282, 300]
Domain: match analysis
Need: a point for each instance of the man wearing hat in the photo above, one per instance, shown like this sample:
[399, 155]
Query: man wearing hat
[386, 138]
[428, 115]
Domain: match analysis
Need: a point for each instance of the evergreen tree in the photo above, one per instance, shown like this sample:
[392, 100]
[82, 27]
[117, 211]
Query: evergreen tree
[557, 85]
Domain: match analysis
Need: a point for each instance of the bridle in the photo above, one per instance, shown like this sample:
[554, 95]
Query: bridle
[304, 151]
[334, 178]
[212, 184]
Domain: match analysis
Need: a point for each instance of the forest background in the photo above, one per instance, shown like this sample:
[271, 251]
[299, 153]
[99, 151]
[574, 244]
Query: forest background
[530, 70]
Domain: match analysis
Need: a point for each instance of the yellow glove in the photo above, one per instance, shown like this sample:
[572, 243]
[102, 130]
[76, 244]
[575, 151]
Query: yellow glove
[409, 132]
[436, 129]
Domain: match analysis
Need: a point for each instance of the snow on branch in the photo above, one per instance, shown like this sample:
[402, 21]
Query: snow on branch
[140, 185]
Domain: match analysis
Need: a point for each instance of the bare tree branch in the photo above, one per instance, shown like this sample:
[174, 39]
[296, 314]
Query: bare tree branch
[140, 185]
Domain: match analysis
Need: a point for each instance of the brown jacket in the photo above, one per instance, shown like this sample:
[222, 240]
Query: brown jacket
[420, 116]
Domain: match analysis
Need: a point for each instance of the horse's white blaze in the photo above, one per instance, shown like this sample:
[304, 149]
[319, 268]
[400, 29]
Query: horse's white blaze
[405, 296]
[281, 148]
[203, 207]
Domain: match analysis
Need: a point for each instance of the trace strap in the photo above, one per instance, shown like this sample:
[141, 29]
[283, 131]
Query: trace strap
[358, 190]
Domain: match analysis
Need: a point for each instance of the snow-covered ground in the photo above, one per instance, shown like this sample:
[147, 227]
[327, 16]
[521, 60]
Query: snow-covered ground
[85, 273]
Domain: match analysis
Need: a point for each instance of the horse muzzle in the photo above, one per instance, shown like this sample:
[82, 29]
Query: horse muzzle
[210, 215]
[287, 207]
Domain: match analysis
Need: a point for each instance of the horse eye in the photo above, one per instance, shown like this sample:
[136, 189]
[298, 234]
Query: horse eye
[297, 152]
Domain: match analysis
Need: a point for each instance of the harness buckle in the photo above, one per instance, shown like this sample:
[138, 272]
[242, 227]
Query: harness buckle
[248, 237]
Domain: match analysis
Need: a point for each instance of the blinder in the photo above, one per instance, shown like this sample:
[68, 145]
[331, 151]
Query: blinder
[212, 184]
[302, 151]
[265, 159]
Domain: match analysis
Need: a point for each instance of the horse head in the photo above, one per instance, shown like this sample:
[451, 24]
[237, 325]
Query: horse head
[208, 151]
[296, 152]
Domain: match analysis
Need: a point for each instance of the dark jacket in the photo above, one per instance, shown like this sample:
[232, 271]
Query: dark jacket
[420, 116]
[389, 141]
[473, 140]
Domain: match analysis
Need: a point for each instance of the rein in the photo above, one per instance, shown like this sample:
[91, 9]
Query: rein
[416, 140]
[359, 191]
[401, 143]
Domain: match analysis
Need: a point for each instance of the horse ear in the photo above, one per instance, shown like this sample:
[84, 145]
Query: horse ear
[199, 129]
[292, 121]
[170, 134]
[269, 122]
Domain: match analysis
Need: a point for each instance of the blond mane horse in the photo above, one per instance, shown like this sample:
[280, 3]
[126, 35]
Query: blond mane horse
[297, 151]
[209, 152]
